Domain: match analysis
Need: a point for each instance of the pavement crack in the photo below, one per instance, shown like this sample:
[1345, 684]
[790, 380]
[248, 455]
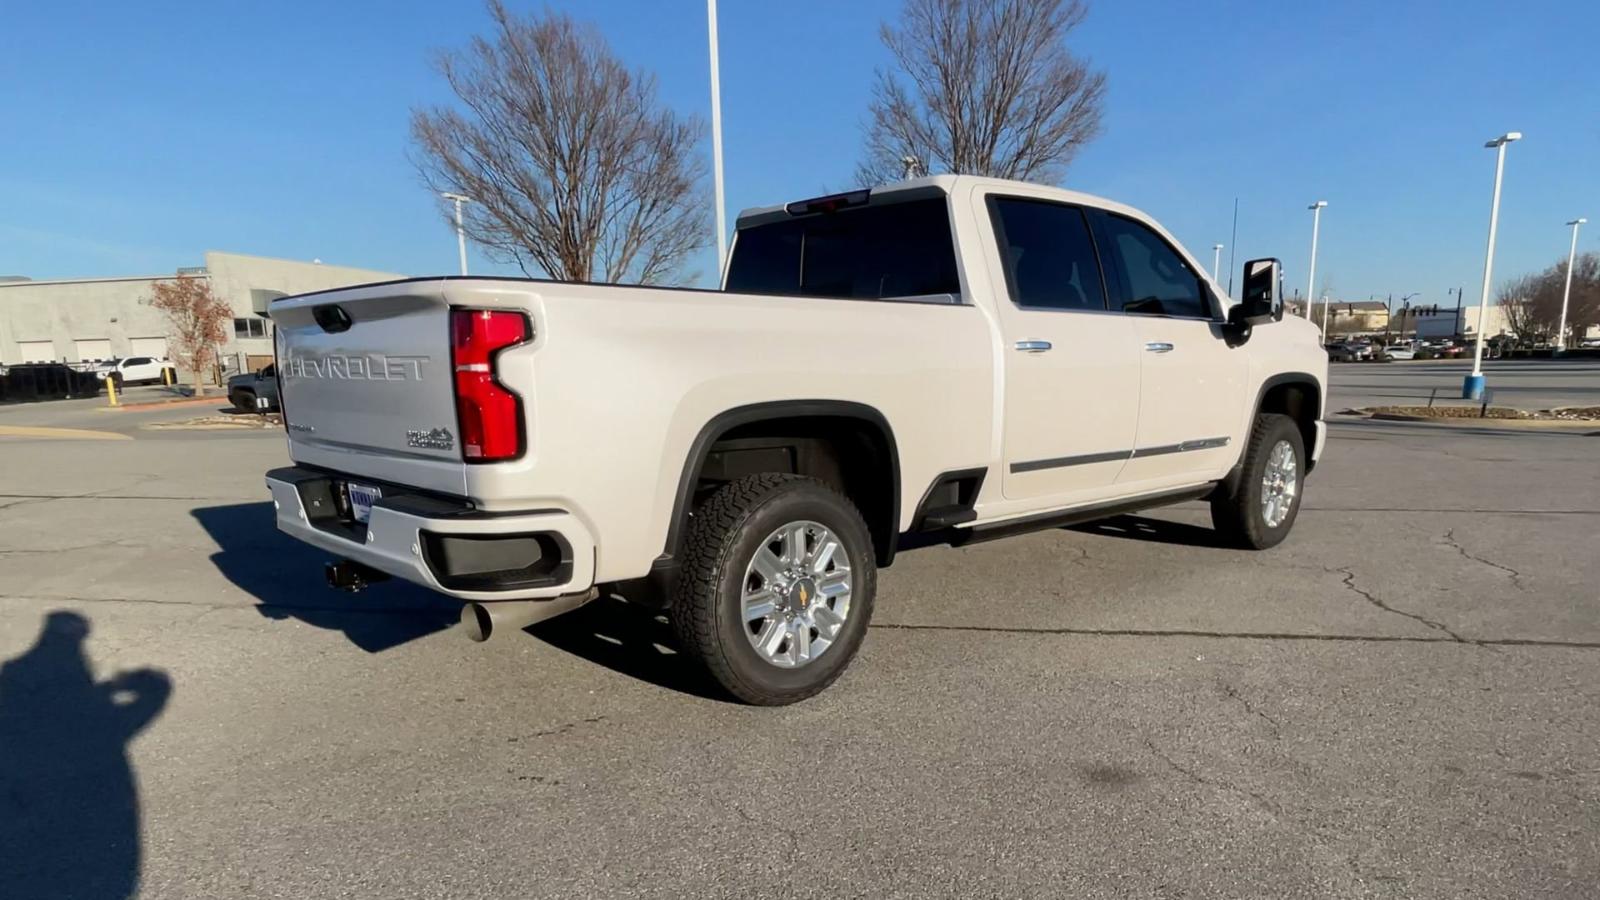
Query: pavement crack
[1236, 635]
[94, 546]
[791, 834]
[564, 728]
[1350, 582]
[1233, 694]
[1449, 539]
[1258, 798]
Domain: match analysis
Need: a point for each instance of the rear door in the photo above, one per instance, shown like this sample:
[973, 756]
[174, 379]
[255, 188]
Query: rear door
[1071, 364]
[1191, 383]
[366, 383]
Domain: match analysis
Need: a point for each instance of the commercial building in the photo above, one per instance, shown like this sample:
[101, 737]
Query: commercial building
[86, 319]
[1447, 325]
[1352, 317]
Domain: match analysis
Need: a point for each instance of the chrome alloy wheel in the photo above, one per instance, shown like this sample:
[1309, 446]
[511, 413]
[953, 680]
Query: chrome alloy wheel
[796, 594]
[1279, 484]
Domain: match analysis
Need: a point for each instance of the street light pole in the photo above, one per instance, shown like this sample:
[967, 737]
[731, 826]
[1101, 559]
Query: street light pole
[1566, 292]
[1405, 309]
[1472, 387]
[1311, 279]
[716, 142]
[1455, 324]
[461, 234]
[1216, 264]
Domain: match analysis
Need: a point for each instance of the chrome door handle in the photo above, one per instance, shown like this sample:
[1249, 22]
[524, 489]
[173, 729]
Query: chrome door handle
[1032, 346]
[1158, 346]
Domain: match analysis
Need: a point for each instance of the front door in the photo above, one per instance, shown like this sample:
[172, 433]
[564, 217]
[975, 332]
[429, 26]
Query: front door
[1191, 383]
[1071, 365]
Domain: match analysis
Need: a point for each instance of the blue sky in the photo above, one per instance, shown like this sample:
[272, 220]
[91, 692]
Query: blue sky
[139, 135]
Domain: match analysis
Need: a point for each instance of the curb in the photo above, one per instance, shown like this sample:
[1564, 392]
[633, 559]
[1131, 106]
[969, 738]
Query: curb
[1523, 424]
[163, 404]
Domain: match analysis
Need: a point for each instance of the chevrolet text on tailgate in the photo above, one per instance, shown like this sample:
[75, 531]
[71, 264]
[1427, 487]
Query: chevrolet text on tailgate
[938, 361]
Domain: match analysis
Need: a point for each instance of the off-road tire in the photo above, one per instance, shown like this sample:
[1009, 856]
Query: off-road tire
[1237, 514]
[721, 539]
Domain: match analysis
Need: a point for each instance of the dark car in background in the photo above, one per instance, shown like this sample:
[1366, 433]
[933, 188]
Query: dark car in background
[255, 391]
[1349, 351]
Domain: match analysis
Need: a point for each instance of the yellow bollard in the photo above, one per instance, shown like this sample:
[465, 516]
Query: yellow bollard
[166, 376]
[111, 389]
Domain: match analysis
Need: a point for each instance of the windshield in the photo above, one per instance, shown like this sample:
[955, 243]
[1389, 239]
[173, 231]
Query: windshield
[865, 252]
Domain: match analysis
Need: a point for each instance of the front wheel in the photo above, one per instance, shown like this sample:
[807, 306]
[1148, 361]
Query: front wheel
[1262, 506]
[776, 588]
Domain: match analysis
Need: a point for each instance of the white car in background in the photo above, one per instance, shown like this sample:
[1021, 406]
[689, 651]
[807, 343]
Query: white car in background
[1400, 351]
[132, 369]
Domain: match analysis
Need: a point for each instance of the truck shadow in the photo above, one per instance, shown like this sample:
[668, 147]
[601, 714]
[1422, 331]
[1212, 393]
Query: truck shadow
[69, 802]
[285, 576]
[631, 641]
[1156, 531]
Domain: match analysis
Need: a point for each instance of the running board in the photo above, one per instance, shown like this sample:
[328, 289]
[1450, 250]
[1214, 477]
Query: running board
[1081, 514]
[956, 537]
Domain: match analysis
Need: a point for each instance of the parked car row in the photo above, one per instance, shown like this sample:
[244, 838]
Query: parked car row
[1363, 350]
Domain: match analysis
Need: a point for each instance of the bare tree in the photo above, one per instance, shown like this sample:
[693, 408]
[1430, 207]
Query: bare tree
[1532, 303]
[197, 320]
[576, 170]
[985, 87]
[1518, 299]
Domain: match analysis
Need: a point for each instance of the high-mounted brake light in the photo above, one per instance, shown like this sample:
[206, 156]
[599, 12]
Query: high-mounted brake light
[490, 416]
[828, 204]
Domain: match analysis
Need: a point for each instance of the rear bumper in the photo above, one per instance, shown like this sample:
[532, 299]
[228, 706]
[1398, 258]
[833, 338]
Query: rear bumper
[1320, 442]
[405, 535]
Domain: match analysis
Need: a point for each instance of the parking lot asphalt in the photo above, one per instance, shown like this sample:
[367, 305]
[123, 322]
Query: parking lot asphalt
[1403, 700]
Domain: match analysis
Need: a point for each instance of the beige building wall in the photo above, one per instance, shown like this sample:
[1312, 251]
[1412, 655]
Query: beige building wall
[75, 315]
[68, 312]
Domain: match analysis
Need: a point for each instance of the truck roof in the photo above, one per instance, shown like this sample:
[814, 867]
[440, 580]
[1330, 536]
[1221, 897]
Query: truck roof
[945, 184]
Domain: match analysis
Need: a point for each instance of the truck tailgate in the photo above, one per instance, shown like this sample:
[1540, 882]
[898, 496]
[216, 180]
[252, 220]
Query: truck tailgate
[366, 383]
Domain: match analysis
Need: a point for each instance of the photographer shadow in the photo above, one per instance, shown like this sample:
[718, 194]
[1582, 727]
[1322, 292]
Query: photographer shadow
[69, 801]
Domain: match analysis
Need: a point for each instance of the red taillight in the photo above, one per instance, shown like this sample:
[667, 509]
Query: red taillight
[490, 416]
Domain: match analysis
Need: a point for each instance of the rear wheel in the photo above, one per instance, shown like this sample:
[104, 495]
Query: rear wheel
[1261, 508]
[777, 587]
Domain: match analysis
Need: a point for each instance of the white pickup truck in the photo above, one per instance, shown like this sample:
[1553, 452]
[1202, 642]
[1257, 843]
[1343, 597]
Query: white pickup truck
[934, 362]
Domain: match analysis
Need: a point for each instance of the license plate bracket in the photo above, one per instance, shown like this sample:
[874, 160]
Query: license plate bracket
[361, 497]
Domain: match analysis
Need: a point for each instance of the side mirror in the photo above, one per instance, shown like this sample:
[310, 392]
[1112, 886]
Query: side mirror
[1261, 300]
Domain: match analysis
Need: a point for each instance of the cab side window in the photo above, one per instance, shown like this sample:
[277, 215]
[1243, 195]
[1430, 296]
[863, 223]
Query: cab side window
[1049, 256]
[1155, 279]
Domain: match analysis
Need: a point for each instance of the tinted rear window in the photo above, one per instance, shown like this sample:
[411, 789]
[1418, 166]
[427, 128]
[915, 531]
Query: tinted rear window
[868, 252]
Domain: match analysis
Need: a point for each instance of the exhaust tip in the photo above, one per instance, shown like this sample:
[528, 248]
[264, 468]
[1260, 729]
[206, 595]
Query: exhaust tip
[477, 622]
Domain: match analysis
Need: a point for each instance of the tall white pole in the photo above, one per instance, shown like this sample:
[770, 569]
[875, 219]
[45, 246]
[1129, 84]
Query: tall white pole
[461, 233]
[1216, 263]
[1472, 389]
[461, 238]
[1311, 279]
[1325, 305]
[1566, 292]
[716, 143]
